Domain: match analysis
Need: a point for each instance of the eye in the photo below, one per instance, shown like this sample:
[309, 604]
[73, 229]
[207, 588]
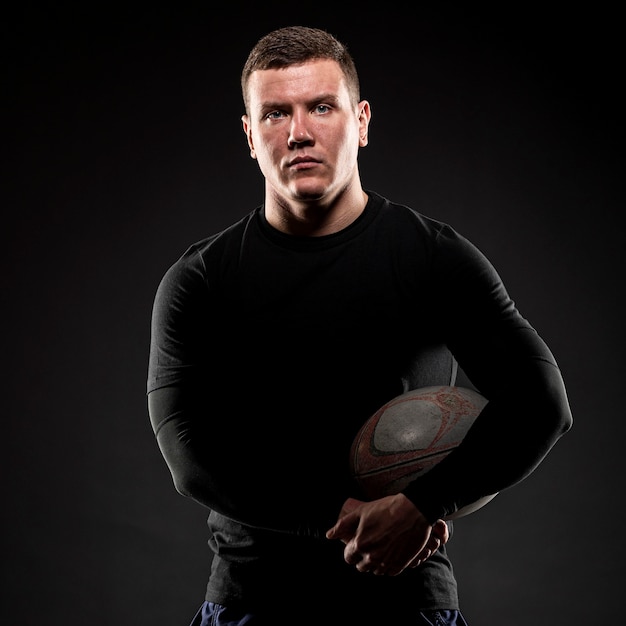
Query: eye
[274, 115]
[322, 108]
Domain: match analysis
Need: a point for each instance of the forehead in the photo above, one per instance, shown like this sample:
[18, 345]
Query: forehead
[303, 82]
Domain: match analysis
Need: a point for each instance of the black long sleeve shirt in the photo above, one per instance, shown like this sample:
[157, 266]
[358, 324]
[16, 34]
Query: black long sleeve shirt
[269, 352]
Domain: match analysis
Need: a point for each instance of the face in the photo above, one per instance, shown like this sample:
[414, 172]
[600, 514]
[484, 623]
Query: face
[304, 131]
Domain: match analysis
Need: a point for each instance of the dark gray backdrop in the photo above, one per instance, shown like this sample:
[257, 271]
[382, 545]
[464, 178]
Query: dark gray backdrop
[124, 145]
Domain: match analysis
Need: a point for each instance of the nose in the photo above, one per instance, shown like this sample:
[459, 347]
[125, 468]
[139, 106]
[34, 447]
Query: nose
[299, 132]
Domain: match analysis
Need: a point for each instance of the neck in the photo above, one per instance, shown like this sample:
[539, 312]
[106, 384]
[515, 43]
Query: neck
[315, 218]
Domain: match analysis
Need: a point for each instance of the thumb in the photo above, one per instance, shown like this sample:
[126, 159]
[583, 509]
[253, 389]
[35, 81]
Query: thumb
[345, 527]
[441, 531]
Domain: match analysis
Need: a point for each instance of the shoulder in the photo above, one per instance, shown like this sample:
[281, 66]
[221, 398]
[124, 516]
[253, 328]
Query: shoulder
[218, 245]
[402, 216]
[411, 226]
[194, 268]
[221, 242]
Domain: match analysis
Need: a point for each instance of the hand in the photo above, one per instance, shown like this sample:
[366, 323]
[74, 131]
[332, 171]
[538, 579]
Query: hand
[386, 536]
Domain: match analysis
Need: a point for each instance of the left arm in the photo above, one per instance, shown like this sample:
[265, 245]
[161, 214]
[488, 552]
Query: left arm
[512, 366]
[526, 414]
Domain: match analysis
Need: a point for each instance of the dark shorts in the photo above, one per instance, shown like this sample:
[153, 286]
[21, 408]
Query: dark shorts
[211, 614]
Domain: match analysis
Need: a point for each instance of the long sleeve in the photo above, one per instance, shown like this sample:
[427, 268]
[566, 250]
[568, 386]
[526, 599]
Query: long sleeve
[511, 365]
[206, 410]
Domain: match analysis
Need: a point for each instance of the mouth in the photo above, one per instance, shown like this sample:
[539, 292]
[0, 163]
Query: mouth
[303, 162]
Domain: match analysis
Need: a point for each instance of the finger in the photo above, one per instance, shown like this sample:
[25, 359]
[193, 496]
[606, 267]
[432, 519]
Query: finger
[344, 528]
[331, 533]
[364, 565]
[441, 531]
[338, 531]
[346, 522]
[380, 570]
[353, 557]
[421, 556]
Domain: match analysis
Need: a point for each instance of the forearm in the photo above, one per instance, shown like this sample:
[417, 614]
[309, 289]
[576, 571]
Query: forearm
[506, 443]
[213, 472]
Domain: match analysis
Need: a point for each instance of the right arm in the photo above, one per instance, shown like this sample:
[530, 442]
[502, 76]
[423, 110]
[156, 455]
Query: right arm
[192, 399]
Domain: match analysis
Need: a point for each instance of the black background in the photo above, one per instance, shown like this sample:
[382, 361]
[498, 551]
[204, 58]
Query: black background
[124, 145]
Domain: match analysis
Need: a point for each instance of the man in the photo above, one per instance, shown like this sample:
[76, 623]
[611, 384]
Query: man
[274, 340]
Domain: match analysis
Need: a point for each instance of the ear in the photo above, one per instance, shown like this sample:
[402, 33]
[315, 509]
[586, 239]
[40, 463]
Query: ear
[245, 122]
[364, 115]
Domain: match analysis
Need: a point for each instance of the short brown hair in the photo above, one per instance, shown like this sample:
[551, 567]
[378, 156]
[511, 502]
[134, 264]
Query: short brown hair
[294, 45]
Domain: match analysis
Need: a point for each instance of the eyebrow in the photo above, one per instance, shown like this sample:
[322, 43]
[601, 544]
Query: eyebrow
[324, 97]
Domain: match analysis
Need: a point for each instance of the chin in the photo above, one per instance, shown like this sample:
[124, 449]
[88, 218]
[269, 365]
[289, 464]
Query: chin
[309, 196]
[309, 192]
